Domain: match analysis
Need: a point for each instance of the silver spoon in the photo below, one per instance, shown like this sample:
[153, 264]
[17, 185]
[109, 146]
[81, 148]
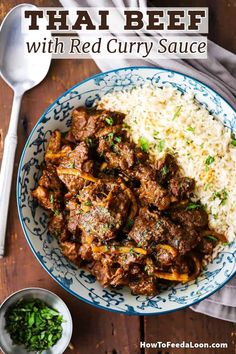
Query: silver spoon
[21, 71]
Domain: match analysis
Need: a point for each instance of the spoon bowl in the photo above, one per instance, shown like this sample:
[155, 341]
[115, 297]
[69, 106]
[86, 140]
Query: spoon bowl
[17, 67]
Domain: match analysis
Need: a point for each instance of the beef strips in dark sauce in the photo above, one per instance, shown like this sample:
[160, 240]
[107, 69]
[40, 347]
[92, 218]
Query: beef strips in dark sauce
[129, 220]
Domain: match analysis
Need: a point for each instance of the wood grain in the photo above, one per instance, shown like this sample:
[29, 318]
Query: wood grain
[95, 330]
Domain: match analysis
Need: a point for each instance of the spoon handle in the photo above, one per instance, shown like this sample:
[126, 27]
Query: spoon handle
[7, 169]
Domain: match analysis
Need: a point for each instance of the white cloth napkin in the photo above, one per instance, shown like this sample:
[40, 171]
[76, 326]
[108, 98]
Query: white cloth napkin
[219, 72]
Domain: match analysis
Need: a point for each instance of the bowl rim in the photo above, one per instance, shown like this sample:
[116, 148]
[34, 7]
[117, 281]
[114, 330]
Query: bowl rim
[77, 85]
[12, 295]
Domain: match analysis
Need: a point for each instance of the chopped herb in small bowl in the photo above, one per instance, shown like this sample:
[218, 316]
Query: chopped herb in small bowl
[33, 324]
[36, 320]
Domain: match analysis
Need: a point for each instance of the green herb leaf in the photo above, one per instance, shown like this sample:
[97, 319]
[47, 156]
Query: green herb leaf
[71, 164]
[222, 195]
[144, 144]
[192, 206]
[191, 129]
[161, 145]
[31, 320]
[206, 186]
[155, 134]
[209, 160]
[233, 142]
[51, 198]
[110, 136]
[212, 238]
[118, 139]
[88, 203]
[57, 212]
[164, 170]
[177, 113]
[109, 120]
[90, 142]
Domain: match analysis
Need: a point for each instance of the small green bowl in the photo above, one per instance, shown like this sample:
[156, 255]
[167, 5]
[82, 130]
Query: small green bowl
[51, 300]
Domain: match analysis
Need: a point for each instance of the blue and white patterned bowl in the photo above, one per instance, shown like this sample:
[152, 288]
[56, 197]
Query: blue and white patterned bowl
[34, 219]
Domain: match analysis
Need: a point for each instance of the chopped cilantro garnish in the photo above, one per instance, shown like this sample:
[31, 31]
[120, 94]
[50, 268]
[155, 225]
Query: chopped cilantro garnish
[210, 159]
[87, 203]
[56, 212]
[206, 186]
[34, 325]
[177, 113]
[161, 145]
[110, 136]
[164, 170]
[118, 139]
[222, 195]
[51, 198]
[90, 142]
[191, 129]
[109, 120]
[155, 134]
[233, 142]
[71, 165]
[212, 238]
[192, 206]
[144, 144]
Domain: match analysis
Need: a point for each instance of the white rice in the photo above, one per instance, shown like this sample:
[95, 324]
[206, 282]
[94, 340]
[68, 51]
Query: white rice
[202, 145]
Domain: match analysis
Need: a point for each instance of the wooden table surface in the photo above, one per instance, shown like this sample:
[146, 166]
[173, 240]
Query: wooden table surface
[95, 330]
